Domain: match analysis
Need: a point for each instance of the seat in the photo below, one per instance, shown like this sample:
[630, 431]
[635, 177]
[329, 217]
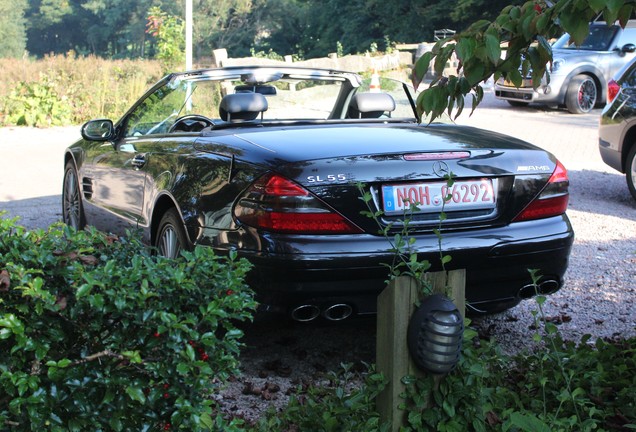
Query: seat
[370, 105]
[239, 107]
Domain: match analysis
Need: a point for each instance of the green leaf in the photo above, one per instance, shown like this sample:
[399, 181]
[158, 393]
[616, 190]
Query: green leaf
[577, 26]
[624, 14]
[206, 421]
[421, 68]
[136, 394]
[83, 290]
[544, 49]
[613, 6]
[64, 363]
[479, 25]
[528, 423]
[11, 322]
[133, 356]
[543, 22]
[465, 48]
[529, 27]
[493, 48]
[597, 5]
[474, 72]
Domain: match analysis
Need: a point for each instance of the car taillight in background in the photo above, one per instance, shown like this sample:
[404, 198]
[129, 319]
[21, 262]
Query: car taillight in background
[275, 203]
[612, 90]
[553, 199]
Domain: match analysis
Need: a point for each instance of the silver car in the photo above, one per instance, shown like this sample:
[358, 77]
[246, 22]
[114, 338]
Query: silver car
[579, 74]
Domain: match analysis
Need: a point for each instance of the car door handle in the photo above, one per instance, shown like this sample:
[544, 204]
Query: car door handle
[139, 161]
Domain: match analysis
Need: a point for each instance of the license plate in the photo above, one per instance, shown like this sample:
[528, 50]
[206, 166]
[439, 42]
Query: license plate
[429, 197]
[524, 83]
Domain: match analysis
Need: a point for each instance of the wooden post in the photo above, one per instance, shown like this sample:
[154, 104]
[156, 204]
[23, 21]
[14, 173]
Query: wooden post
[396, 304]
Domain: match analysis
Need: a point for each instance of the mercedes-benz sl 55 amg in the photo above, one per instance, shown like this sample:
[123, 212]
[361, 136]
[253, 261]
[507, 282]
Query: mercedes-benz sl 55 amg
[273, 163]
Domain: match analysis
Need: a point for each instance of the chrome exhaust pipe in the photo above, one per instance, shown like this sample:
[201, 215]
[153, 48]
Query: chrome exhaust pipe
[549, 286]
[546, 287]
[528, 291]
[305, 313]
[337, 312]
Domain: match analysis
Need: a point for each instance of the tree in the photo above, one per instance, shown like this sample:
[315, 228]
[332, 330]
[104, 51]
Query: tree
[109, 28]
[170, 33]
[525, 31]
[315, 28]
[12, 28]
[230, 24]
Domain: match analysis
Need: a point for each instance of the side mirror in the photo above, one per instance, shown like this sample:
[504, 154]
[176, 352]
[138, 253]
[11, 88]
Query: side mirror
[628, 48]
[98, 130]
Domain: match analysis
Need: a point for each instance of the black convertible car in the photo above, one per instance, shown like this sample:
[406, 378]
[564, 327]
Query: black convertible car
[273, 162]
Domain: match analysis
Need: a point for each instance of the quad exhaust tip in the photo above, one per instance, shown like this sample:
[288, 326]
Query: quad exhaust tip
[337, 312]
[546, 287]
[305, 313]
[332, 312]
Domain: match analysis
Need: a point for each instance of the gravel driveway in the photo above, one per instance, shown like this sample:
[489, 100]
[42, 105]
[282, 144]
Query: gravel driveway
[598, 297]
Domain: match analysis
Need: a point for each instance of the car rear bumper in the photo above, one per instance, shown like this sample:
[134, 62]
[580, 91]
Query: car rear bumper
[327, 270]
[610, 156]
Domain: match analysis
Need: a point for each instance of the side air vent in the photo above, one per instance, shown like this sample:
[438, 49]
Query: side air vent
[87, 187]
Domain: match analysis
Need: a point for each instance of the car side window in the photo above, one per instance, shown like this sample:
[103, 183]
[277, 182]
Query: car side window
[627, 36]
[157, 112]
[162, 108]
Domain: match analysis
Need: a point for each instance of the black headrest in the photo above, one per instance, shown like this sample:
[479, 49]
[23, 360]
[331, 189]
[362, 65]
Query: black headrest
[242, 106]
[370, 105]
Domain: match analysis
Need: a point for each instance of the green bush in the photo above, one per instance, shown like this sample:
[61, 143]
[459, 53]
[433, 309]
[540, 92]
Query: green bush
[568, 387]
[97, 334]
[37, 104]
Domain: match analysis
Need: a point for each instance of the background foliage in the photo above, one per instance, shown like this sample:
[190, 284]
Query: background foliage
[35, 93]
[116, 28]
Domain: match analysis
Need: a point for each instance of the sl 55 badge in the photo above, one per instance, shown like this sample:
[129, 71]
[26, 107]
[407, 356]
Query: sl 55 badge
[326, 178]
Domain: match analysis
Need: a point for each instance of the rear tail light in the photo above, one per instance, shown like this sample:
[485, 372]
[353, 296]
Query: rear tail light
[612, 90]
[275, 203]
[553, 199]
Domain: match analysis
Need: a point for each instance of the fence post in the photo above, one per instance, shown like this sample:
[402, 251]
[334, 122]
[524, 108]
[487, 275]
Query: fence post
[396, 304]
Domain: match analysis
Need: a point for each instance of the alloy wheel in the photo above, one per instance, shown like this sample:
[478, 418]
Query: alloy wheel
[71, 201]
[587, 95]
[169, 244]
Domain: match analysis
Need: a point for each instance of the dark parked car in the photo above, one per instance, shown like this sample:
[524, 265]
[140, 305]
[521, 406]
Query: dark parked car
[579, 74]
[272, 162]
[617, 130]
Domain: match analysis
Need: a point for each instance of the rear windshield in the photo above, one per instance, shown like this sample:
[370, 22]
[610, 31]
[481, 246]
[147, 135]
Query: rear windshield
[599, 39]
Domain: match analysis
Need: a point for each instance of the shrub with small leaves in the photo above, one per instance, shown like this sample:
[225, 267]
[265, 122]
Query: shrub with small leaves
[98, 334]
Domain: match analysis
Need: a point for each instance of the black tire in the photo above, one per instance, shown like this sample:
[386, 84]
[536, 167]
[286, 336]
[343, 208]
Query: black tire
[581, 95]
[72, 208]
[171, 238]
[630, 170]
[517, 103]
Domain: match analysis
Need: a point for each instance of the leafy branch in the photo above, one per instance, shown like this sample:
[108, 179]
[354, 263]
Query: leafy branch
[513, 46]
